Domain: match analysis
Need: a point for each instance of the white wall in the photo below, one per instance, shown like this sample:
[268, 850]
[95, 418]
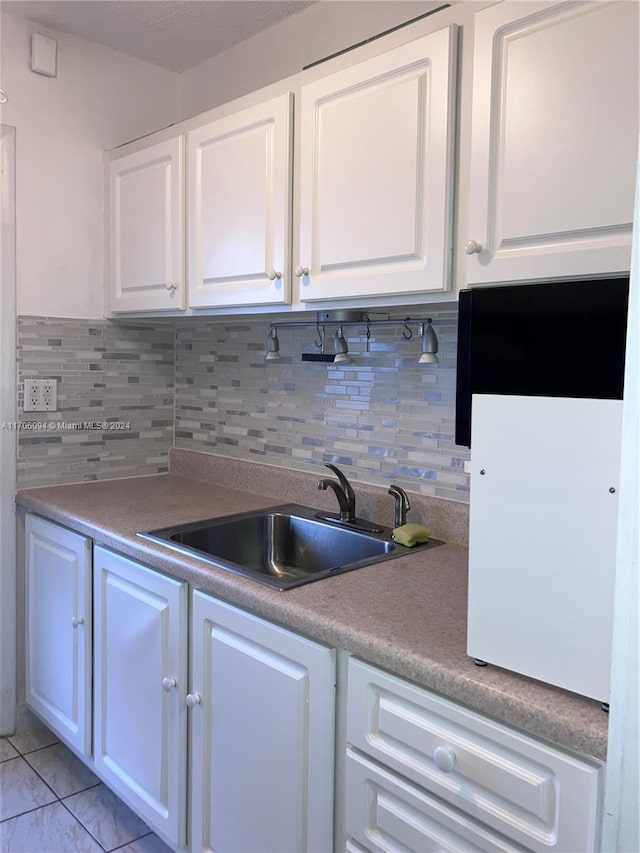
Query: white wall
[285, 48]
[7, 437]
[100, 99]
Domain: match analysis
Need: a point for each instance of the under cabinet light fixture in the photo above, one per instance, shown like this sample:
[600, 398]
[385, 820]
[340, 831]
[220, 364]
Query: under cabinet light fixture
[429, 344]
[273, 345]
[346, 318]
[341, 348]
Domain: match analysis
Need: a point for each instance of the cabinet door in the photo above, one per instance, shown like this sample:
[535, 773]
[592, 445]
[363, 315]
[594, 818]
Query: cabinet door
[554, 140]
[239, 208]
[262, 735]
[58, 629]
[147, 229]
[375, 194]
[140, 739]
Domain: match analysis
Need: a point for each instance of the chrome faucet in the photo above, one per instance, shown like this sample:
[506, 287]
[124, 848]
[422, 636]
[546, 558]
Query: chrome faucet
[344, 493]
[402, 505]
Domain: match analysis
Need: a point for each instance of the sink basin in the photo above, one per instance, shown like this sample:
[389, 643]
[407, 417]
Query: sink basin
[282, 546]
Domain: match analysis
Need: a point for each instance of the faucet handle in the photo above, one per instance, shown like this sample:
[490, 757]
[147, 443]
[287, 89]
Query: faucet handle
[402, 505]
[346, 485]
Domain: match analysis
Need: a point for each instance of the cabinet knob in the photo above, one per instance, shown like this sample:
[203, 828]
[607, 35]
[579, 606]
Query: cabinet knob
[172, 286]
[472, 247]
[300, 271]
[168, 684]
[193, 699]
[444, 758]
[77, 620]
[275, 274]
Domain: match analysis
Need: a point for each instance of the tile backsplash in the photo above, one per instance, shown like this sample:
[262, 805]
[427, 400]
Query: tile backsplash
[383, 417]
[118, 374]
[200, 384]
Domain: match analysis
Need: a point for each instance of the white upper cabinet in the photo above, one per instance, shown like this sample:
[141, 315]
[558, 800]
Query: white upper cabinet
[375, 175]
[239, 207]
[147, 229]
[554, 140]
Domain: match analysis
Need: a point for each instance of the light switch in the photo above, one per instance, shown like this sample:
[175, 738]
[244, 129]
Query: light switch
[44, 55]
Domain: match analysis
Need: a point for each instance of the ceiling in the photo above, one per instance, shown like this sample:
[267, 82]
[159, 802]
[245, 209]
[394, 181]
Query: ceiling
[175, 34]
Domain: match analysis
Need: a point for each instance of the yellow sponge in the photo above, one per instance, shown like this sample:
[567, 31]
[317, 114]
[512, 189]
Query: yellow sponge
[411, 534]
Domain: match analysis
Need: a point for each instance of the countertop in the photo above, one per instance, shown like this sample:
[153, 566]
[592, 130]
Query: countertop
[406, 615]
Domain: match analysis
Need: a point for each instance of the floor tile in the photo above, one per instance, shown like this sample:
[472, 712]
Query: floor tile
[21, 789]
[6, 750]
[148, 844]
[32, 739]
[46, 830]
[61, 770]
[106, 817]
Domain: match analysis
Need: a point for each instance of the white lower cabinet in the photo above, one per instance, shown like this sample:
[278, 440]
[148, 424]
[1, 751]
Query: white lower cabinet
[424, 774]
[259, 755]
[140, 680]
[261, 706]
[262, 735]
[58, 629]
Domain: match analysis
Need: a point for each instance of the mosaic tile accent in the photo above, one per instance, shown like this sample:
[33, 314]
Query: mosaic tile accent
[382, 418]
[115, 399]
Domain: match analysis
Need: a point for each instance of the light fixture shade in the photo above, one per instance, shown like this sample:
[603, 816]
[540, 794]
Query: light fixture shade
[273, 346]
[340, 348]
[429, 345]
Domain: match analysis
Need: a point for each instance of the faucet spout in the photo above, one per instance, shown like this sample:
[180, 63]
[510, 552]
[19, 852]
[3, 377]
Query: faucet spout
[345, 510]
[402, 506]
[343, 491]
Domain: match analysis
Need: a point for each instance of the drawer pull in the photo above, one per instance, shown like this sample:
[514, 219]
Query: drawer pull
[193, 699]
[444, 758]
[168, 684]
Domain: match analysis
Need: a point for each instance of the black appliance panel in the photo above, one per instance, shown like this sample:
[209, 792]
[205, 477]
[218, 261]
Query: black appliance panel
[558, 339]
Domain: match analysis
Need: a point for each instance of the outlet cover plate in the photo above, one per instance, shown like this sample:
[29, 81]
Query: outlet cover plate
[40, 395]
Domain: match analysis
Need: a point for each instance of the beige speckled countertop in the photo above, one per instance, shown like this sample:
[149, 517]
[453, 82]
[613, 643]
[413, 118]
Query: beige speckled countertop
[407, 615]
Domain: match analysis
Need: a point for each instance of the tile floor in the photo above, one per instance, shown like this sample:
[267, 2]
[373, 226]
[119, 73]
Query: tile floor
[51, 803]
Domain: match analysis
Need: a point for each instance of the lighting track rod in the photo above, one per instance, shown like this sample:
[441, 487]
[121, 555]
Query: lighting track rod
[342, 319]
[313, 324]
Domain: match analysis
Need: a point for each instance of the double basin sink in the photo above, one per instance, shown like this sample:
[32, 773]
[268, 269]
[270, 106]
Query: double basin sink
[282, 546]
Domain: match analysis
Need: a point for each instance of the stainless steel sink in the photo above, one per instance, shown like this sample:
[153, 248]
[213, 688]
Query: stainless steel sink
[281, 546]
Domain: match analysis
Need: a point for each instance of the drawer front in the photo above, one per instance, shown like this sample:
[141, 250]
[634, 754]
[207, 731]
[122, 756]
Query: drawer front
[536, 795]
[385, 813]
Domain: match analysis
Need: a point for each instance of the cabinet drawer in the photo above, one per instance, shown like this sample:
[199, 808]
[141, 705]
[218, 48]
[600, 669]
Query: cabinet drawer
[385, 813]
[536, 795]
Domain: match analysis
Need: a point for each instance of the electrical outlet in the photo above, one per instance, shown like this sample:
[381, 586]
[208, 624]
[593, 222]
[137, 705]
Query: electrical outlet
[30, 395]
[40, 395]
[49, 395]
